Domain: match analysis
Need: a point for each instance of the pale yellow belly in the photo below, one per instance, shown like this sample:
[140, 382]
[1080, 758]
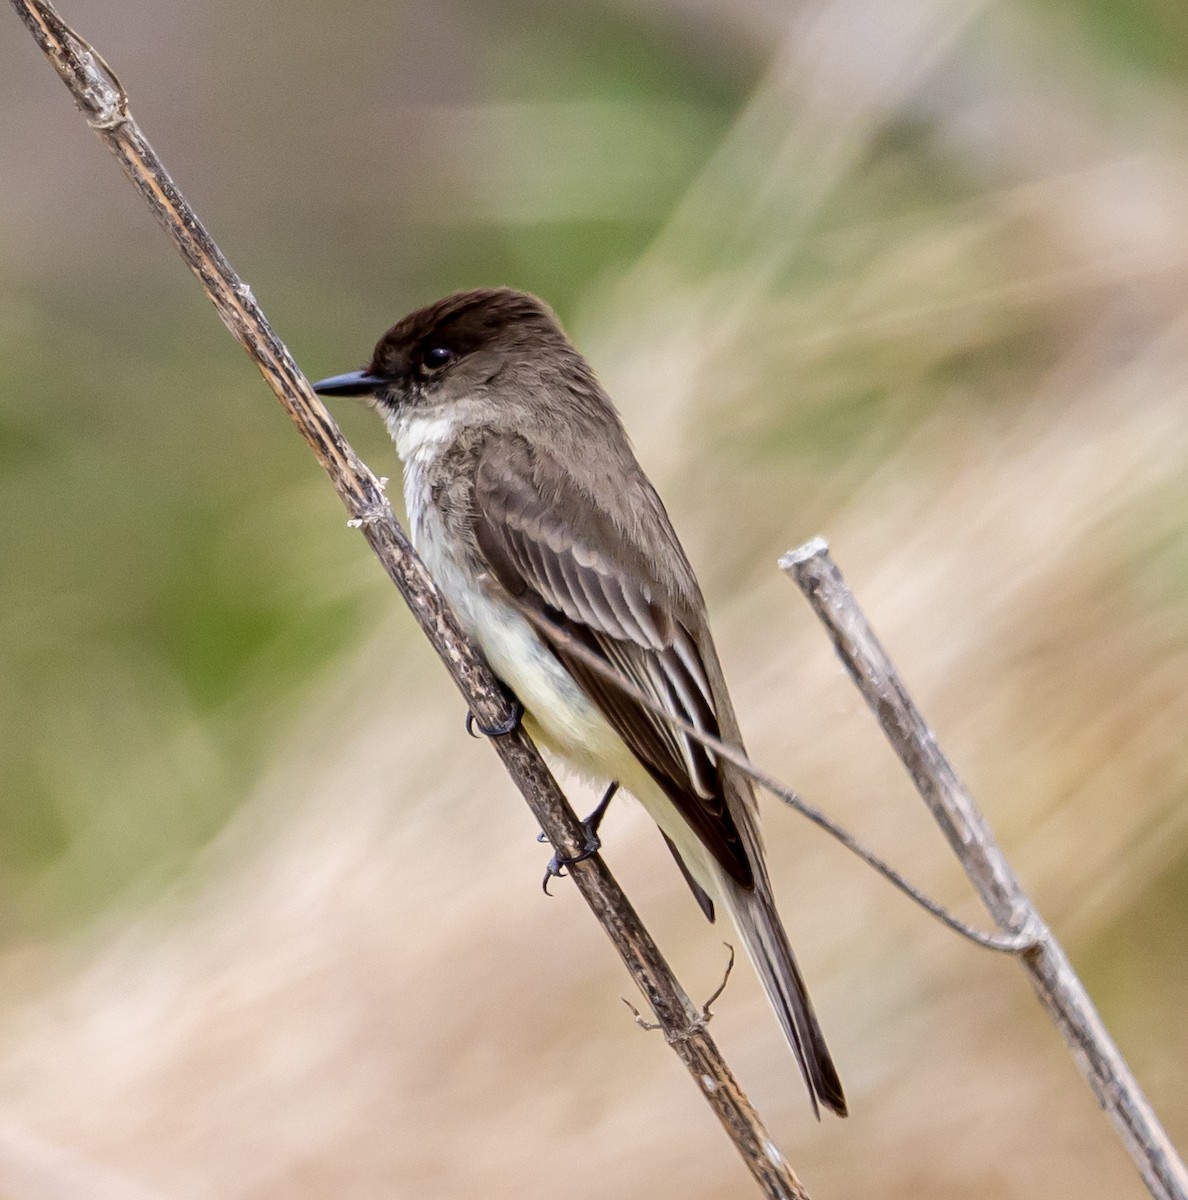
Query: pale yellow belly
[558, 715]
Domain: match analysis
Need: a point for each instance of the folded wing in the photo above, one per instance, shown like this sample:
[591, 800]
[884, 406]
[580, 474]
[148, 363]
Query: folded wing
[563, 558]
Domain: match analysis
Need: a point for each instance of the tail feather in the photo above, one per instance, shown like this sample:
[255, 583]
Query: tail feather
[768, 949]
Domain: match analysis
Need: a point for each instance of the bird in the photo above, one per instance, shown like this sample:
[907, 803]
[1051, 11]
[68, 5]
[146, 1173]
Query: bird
[536, 521]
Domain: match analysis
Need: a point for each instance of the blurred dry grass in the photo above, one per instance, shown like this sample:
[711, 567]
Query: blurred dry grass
[927, 296]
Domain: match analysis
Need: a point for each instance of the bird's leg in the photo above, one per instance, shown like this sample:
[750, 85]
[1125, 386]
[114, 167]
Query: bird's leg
[558, 863]
[510, 725]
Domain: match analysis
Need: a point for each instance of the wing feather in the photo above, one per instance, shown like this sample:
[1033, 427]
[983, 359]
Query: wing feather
[583, 573]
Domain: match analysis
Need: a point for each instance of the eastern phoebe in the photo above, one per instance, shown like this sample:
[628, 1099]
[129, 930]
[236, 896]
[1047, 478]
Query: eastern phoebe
[524, 496]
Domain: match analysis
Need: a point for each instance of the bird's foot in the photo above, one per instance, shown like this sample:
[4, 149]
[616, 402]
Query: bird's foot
[591, 846]
[509, 725]
[558, 863]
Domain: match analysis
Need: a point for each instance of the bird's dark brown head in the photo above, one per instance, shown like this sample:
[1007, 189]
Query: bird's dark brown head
[461, 346]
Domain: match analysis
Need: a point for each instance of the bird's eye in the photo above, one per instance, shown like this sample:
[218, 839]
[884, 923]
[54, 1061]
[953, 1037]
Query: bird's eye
[438, 356]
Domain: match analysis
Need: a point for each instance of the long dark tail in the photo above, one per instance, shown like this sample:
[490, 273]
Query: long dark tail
[767, 946]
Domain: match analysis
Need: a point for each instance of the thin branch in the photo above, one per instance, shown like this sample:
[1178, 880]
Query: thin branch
[1059, 989]
[105, 105]
[1011, 943]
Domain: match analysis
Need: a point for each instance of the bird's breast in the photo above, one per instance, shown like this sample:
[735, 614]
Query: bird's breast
[561, 712]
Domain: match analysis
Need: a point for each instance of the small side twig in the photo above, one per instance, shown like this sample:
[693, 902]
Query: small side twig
[103, 102]
[700, 1021]
[1056, 983]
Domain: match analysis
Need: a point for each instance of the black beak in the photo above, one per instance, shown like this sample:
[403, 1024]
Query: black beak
[353, 383]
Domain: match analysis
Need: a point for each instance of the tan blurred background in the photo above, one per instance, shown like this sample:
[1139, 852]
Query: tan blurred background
[912, 274]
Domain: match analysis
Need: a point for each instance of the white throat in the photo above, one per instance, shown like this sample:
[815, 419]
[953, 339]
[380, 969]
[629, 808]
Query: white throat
[420, 438]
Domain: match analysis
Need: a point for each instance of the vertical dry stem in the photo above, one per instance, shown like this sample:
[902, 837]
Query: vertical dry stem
[1059, 989]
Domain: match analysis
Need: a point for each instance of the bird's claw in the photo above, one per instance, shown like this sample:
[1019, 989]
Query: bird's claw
[509, 725]
[559, 861]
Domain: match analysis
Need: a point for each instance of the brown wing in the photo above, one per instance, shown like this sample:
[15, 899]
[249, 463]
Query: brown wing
[549, 545]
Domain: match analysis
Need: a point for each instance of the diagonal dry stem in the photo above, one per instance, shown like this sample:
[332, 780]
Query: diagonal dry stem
[104, 104]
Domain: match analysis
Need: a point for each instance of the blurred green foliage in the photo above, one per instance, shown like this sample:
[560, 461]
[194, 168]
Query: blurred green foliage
[1149, 34]
[176, 574]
